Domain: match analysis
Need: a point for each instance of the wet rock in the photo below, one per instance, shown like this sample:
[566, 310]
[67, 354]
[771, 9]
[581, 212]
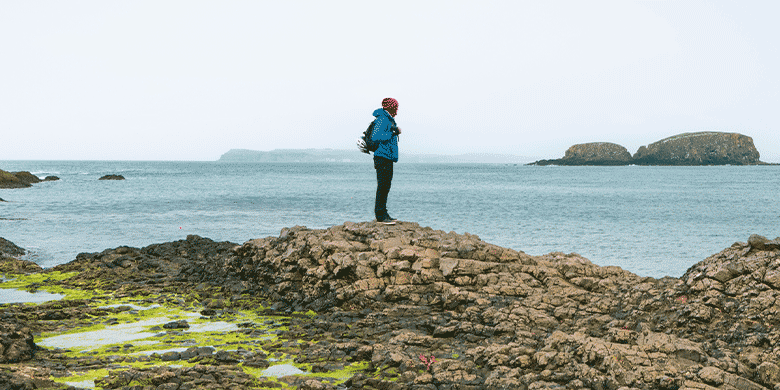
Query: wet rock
[112, 177]
[9, 249]
[17, 179]
[170, 356]
[180, 324]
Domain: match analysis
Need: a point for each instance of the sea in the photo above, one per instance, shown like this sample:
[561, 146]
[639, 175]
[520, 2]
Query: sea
[652, 221]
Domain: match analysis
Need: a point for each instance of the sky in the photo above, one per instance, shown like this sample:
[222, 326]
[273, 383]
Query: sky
[190, 80]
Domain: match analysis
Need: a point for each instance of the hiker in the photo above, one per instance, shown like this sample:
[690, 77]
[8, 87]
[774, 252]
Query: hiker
[385, 133]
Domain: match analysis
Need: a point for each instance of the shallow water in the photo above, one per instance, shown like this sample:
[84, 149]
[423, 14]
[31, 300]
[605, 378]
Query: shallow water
[114, 334]
[87, 384]
[282, 370]
[8, 295]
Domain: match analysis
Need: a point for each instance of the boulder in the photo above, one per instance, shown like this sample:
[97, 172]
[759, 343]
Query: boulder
[702, 148]
[17, 179]
[112, 177]
[16, 343]
[21, 179]
[8, 248]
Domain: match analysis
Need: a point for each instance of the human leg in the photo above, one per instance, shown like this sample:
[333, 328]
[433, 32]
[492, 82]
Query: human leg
[384, 178]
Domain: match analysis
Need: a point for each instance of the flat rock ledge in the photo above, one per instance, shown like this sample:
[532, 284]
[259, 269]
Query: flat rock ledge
[492, 317]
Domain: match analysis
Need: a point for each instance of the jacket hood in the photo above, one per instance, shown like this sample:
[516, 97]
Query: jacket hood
[381, 111]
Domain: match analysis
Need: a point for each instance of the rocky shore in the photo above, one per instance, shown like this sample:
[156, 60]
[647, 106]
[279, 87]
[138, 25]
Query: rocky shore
[368, 306]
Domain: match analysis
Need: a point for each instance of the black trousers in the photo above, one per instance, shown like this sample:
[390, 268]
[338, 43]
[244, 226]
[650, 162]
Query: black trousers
[384, 177]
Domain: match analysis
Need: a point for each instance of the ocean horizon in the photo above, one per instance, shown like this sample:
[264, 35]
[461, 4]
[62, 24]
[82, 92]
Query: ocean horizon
[652, 221]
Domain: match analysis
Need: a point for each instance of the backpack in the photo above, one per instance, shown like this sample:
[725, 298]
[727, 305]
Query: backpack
[364, 143]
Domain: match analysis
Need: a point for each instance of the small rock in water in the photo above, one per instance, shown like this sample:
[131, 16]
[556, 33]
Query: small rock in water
[112, 177]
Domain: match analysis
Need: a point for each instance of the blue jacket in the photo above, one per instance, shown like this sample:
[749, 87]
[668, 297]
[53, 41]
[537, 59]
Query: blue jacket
[383, 133]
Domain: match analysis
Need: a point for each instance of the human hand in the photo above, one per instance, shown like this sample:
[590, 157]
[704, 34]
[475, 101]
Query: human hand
[399, 130]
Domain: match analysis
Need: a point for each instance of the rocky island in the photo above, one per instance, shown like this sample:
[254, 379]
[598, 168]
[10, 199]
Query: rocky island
[594, 153]
[368, 306]
[702, 148]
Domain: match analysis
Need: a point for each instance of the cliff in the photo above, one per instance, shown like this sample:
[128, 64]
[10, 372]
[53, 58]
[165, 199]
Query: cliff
[703, 148]
[421, 308]
[594, 153]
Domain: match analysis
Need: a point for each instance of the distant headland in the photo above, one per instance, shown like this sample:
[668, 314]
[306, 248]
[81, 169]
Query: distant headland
[701, 148]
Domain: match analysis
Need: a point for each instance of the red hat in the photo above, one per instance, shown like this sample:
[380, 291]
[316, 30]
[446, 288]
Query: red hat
[390, 104]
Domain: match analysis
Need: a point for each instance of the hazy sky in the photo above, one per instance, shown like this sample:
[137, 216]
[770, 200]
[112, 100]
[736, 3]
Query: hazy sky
[189, 80]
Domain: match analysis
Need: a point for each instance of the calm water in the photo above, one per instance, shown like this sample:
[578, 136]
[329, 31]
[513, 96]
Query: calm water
[653, 221]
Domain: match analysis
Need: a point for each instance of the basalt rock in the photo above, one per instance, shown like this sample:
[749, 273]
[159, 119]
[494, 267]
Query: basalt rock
[594, 153]
[9, 262]
[17, 179]
[429, 309]
[112, 177]
[702, 148]
[16, 343]
[8, 249]
[22, 179]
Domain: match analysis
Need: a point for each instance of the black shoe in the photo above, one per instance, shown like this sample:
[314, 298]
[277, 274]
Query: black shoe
[387, 216]
[385, 221]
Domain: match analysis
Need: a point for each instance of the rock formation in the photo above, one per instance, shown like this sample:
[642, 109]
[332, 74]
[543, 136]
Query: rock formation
[594, 153]
[16, 343]
[22, 179]
[8, 248]
[492, 317]
[703, 148]
[112, 177]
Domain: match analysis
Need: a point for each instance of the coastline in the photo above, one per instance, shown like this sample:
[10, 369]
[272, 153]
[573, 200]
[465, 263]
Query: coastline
[366, 306]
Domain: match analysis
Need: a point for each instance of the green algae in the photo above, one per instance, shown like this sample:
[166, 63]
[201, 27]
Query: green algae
[254, 331]
[341, 375]
[90, 375]
[41, 282]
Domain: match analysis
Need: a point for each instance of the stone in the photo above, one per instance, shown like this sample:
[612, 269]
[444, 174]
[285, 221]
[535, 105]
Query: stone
[16, 343]
[17, 179]
[9, 249]
[112, 177]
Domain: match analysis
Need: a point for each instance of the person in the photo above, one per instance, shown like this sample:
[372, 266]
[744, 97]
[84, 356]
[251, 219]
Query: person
[386, 134]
